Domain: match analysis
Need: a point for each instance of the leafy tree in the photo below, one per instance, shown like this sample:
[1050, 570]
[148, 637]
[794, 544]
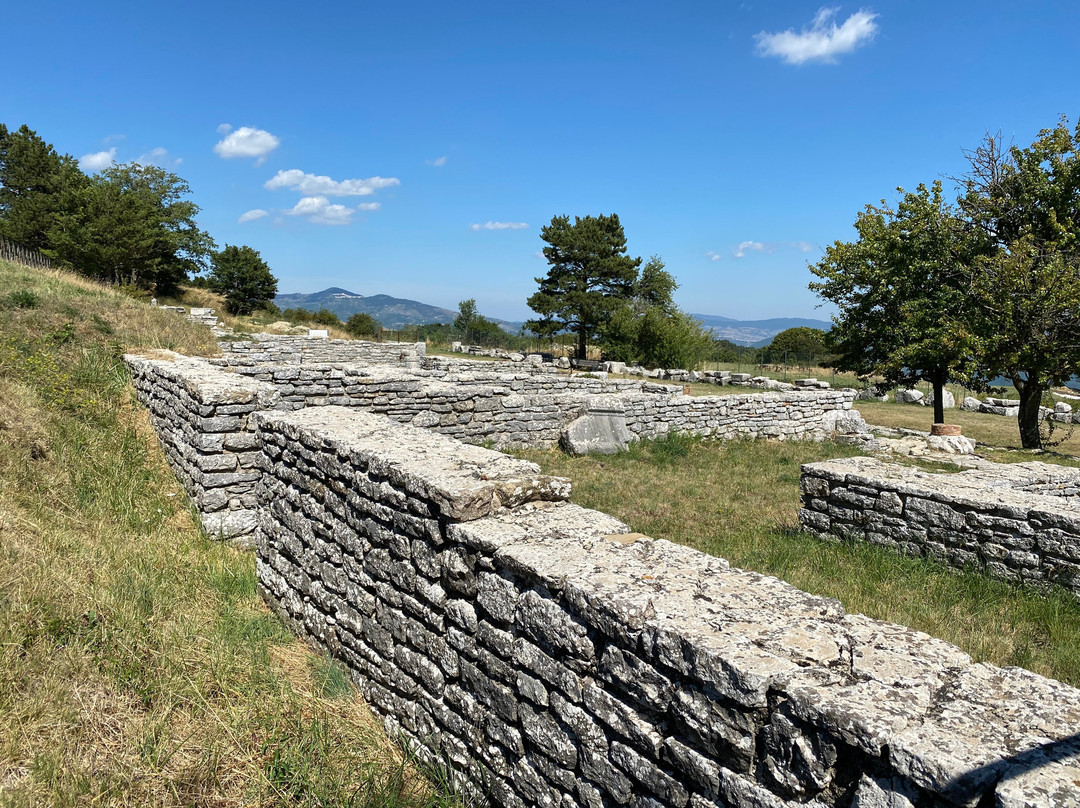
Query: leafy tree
[590, 277]
[1026, 288]
[131, 224]
[798, 343]
[467, 314]
[901, 290]
[34, 181]
[362, 325]
[649, 329]
[326, 317]
[243, 277]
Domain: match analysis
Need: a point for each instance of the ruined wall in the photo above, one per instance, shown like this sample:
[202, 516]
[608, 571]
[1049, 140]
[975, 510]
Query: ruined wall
[755, 415]
[211, 448]
[1019, 522]
[202, 419]
[294, 350]
[553, 658]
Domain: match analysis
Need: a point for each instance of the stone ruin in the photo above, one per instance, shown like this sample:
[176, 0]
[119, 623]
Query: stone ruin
[1020, 522]
[547, 655]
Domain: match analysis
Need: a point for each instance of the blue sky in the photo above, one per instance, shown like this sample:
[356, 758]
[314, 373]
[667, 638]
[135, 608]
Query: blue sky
[417, 148]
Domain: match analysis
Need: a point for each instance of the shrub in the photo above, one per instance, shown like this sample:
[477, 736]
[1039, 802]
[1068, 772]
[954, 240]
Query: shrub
[23, 299]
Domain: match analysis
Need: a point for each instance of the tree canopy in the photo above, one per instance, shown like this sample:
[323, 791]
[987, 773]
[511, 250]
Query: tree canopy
[1026, 285]
[901, 292]
[988, 287]
[130, 223]
[590, 277]
[799, 343]
[34, 182]
[243, 277]
[648, 329]
[362, 324]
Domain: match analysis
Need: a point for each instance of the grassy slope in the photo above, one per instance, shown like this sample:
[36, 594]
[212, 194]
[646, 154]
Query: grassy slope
[137, 663]
[739, 500]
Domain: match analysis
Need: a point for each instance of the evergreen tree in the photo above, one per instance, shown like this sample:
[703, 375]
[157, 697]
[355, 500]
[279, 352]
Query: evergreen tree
[35, 182]
[590, 278]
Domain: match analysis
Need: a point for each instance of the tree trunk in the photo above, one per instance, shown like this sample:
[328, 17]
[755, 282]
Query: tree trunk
[938, 380]
[582, 345]
[1031, 392]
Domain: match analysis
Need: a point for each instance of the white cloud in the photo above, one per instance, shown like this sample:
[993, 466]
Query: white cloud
[252, 215]
[765, 247]
[438, 162]
[751, 246]
[499, 226]
[316, 185]
[823, 41]
[224, 129]
[712, 255]
[97, 160]
[158, 157]
[246, 142]
[320, 210]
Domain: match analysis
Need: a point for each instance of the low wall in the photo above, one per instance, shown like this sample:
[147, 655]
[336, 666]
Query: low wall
[303, 350]
[756, 415]
[551, 657]
[202, 419]
[1019, 522]
[200, 409]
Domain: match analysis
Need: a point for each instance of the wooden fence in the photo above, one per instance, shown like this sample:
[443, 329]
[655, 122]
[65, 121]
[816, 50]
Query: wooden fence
[10, 251]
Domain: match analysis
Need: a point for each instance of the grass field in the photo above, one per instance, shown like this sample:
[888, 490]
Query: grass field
[138, 666]
[739, 500]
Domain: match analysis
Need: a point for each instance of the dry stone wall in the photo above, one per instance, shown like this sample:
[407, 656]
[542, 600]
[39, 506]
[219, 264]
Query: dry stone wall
[206, 432]
[762, 415]
[1019, 522]
[263, 349]
[553, 658]
[202, 418]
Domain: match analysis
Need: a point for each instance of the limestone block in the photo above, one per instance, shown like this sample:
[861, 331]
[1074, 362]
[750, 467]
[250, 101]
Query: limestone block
[951, 444]
[601, 430]
[970, 404]
[909, 396]
[948, 400]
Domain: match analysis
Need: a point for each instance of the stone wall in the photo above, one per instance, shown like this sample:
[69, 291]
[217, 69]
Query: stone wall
[756, 415]
[551, 657]
[503, 410]
[272, 349]
[1019, 522]
[202, 419]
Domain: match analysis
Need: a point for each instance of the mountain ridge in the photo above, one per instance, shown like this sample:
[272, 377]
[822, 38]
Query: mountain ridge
[397, 312]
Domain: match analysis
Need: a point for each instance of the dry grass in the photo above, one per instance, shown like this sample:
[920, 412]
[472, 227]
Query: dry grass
[739, 500]
[138, 664]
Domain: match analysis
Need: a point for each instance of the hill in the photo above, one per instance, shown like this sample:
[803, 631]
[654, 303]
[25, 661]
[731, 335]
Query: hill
[756, 333]
[139, 664]
[391, 312]
[397, 312]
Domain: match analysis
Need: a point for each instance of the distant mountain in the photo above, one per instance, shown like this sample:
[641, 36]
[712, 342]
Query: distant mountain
[755, 332]
[391, 312]
[397, 312]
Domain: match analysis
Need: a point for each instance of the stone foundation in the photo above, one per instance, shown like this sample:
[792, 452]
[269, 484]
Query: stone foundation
[1019, 522]
[551, 657]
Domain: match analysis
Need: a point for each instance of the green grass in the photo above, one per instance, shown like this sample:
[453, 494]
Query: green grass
[138, 664]
[739, 500]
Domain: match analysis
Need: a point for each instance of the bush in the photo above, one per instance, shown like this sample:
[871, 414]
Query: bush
[23, 299]
[362, 325]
